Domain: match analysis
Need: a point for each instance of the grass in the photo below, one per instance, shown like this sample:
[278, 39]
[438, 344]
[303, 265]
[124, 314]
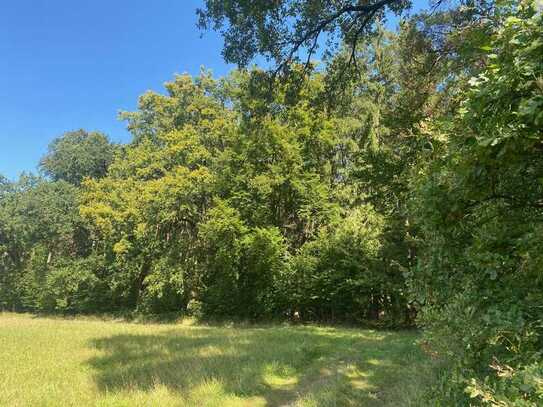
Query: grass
[86, 362]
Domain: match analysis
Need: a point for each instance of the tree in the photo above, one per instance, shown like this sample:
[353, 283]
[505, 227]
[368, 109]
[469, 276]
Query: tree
[287, 31]
[40, 228]
[339, 275]
[8, 249]
[78, 155]
[478, 204]
[222, 182]
[279, 30]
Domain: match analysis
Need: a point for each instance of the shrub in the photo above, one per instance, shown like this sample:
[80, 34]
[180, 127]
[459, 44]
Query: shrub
[79, 286]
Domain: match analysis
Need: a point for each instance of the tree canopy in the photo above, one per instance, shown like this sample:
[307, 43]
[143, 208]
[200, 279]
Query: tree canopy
[280, 29]
[78, 155]
[413, 196]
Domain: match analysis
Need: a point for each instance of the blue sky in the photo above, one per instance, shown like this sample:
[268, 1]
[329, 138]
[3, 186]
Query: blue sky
[66, 65]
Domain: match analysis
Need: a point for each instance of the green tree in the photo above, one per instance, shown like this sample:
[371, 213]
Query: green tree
[338, 275]
[78, 155]
[478, 204]
[41, 228]
[279, 30]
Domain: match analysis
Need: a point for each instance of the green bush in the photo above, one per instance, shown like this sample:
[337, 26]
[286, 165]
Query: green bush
[242, 266]
[340, 276]
[479, 210]
[163, 290]
[79, 286]
[195, 309]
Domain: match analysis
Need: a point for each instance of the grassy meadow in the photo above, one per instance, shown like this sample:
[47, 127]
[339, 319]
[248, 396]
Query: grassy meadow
[92, 362]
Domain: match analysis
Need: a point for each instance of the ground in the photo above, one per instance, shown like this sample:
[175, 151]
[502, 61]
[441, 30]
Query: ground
[92, 362]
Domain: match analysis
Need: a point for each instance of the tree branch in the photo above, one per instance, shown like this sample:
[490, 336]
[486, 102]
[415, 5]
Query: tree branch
[367, 10]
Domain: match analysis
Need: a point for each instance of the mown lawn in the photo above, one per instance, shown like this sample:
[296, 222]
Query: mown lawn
[86, 362]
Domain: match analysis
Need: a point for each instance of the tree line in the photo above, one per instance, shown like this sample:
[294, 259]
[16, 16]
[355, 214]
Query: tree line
[400, 187]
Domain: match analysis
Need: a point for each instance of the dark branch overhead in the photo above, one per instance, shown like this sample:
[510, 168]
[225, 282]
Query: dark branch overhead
[282, 31]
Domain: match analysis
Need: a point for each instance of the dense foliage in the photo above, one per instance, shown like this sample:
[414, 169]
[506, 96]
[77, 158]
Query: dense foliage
[237, 202]
[479, 203]
[78, 155]
[279, 30]
[406, 188]
[230, 202]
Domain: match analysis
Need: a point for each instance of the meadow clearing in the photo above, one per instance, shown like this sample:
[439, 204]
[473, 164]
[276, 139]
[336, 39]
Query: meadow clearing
[93, 362]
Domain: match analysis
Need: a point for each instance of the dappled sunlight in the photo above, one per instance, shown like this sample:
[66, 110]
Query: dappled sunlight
[361, 384]
[212, 392]
[110, 363]
[272, 366]
[375, 362]
[211, 351]
[280, 376]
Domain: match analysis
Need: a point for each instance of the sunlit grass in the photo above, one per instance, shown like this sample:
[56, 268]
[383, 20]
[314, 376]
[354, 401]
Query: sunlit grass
[85, 362]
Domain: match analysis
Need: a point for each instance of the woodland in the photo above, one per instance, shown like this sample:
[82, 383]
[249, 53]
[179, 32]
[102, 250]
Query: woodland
[363, 176]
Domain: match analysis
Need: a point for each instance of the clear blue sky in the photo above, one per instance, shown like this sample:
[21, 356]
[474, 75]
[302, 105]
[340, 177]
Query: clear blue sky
[66, 65]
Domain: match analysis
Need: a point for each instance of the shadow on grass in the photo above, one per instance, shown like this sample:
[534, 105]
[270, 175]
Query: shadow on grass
[275, 365]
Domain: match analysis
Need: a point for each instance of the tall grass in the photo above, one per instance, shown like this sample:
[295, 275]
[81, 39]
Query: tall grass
[85, 362]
